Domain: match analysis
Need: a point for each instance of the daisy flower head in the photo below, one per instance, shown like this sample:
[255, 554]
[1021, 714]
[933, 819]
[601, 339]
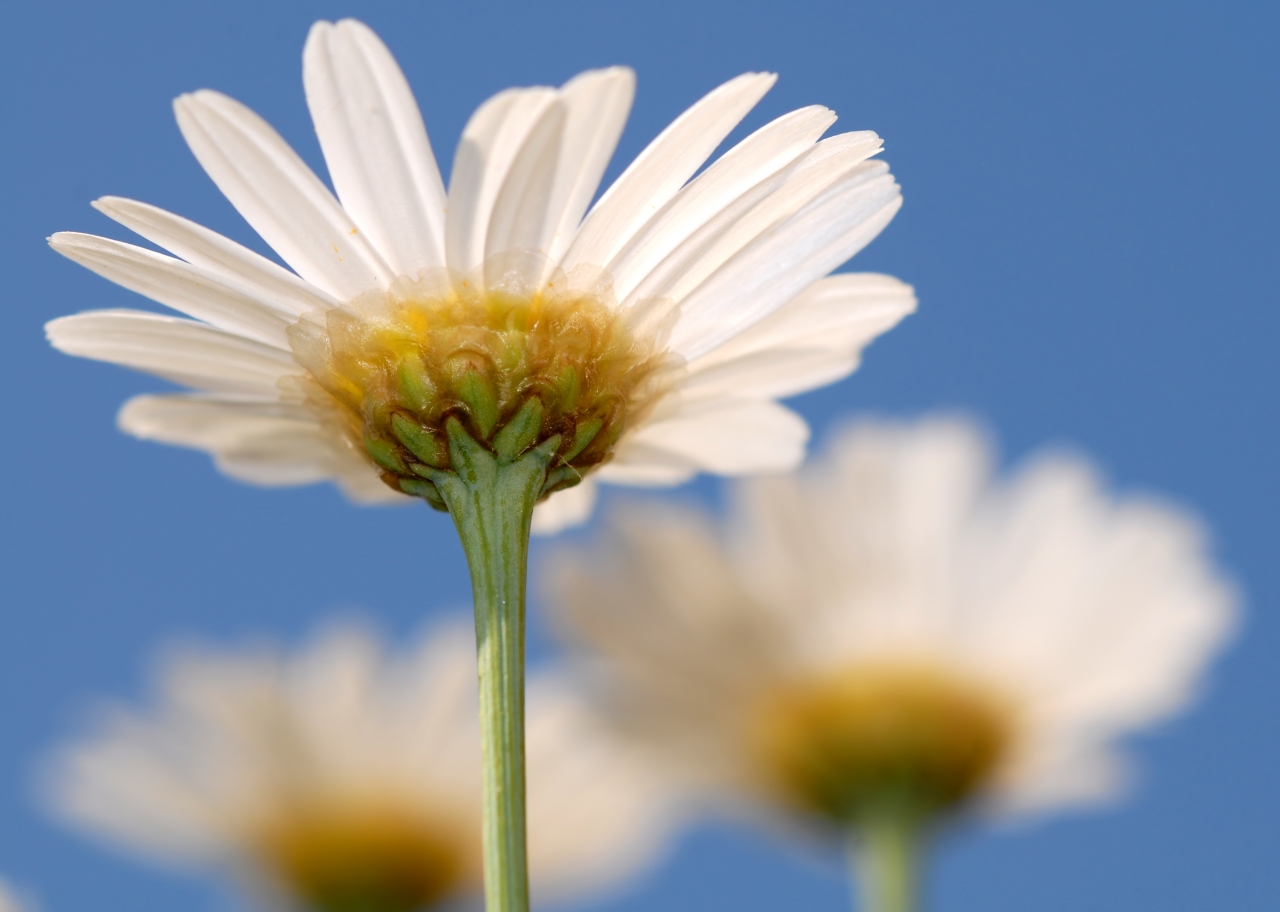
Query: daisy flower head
[638, 340]
[344, 777]
[893, 636]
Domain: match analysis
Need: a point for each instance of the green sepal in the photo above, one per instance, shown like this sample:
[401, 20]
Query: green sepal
[385, 454]
[420, 442]
[583, 434]
[518, 434]
[467, 458]
[426, 490]
[416, 389]
[612, 433]
[559, 479]
[480, 396]
[568, 388]
[548, 447]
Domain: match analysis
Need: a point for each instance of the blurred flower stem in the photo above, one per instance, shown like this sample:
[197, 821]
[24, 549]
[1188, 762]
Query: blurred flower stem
[491, 496]
[886, 854]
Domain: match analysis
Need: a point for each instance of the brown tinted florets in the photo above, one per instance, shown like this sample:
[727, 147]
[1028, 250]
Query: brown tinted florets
[517, 369]
[848, 745]
[357, 858]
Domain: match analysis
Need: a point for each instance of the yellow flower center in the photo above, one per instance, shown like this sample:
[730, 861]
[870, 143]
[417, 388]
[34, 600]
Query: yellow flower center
[905, 738]
[362, 859]
[516, 369]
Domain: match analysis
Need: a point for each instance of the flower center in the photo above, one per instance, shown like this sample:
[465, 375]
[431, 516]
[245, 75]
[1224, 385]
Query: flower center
[361, 859]
[898, 738]
[516, 368]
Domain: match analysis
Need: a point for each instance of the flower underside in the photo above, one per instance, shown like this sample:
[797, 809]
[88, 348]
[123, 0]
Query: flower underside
[517, 369]
[881, 739]
[360, 859]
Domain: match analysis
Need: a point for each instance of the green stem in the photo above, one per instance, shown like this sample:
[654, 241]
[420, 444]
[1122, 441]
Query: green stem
[491, 500]
[887, 850]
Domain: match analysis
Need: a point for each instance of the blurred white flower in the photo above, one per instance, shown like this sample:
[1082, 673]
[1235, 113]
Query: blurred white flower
[10, 901]
[655, 331]
[894, 631]
[342, 778]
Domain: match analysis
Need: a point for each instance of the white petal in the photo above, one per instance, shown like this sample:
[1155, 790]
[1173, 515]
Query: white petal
[285, 457]
[662, 169]
[553, 178]
[361, 484]
[602, 786]
[332, 688]
[641, 466]
[1111, 582]
[598, 102]
[868, 533]
[563, 509]
[770, 374]
[179, 285]
[761, 154]
[652, 604]
[292, 457]
[123, 786]
[758, 212]
[262, 442]
[183, 351]
[279, 195]
[812, 340]
[208, 422]
[216, 254]
[520, 216]
[1060, 775]
[490, 143]
[730, 438]
[777, 266]
[839, 312]
[375, 144]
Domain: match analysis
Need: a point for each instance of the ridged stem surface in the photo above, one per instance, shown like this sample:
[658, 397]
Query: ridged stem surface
[491, 500]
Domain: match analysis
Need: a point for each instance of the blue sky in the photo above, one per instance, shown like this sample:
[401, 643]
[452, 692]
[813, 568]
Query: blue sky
[1091, 222]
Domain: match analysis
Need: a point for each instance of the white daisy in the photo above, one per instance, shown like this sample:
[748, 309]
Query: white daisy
[342, 778]
[651, 337]
[893, 636]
